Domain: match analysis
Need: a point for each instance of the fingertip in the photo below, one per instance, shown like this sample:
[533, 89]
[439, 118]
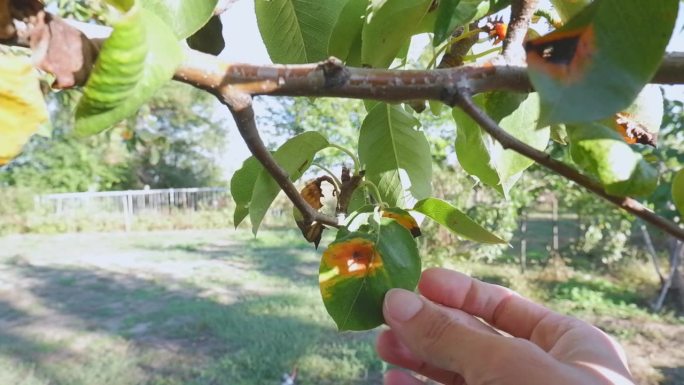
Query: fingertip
[400, 377]
[434, 282]
[400, 306]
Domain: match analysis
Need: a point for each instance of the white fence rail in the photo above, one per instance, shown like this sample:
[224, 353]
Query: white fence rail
[133, 202]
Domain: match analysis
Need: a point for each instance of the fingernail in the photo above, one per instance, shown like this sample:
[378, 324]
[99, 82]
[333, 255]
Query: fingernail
[401, 305]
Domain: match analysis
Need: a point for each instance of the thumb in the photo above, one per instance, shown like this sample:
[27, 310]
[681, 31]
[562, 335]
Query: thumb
[447, 339]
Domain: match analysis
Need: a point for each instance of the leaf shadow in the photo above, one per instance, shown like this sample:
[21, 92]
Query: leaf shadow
[227, 342]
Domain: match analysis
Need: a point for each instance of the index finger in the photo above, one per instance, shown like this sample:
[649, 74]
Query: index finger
[500, 307]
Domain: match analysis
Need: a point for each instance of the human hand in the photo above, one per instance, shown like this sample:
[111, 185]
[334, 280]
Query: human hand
[438, 336]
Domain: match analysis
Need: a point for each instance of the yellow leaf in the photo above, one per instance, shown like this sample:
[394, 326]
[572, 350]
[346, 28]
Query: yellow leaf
[22, 108]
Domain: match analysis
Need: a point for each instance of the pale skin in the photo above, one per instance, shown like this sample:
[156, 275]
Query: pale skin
[463, 331]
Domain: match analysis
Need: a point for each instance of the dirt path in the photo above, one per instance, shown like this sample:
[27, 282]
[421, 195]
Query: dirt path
[655, 350]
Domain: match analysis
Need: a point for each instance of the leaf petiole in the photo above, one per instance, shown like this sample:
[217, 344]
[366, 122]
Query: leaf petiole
[374, 191]
[338, 183]
[355, 159]
[451, 42]
[481, 54]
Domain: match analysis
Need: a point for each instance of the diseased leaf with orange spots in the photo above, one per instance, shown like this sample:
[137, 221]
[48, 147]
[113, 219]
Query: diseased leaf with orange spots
[632, 131]
[601, 152]
[312, 194]
[596, 64]
[640, 123]
[565, 55]
[358, 269]
[404, 218]
[294, 156]
[496, 29]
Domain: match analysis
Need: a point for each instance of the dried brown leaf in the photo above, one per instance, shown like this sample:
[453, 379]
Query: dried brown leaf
[61, 50]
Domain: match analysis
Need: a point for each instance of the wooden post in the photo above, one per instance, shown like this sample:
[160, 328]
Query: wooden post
[126, 218]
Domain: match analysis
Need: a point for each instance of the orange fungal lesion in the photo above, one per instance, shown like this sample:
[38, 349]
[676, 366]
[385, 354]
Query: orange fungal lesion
[564, 55]
[354, 257]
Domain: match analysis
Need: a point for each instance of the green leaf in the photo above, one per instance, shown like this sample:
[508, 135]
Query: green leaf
[242, 187]
[455, 220]
[209, 39]
[297, 31]
[358, 199]
[559, 134]
[603, 153]
[678, 192]
[482, 156]
[295, 157]
[122, 5]
[568, 8]
[359, 268]
[455, 13]
[448, 18]
[183, 16]
[648, 109]
[135, 61]
[389, 26]
[395, 155]
[597, 63]
[347, 29]
[22, 108]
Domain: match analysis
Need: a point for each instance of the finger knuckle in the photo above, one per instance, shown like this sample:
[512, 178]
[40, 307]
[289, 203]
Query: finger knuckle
[437, 327]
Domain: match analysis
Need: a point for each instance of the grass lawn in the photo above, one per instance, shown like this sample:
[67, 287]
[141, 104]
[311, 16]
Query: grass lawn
[221, 307]
[210, 307]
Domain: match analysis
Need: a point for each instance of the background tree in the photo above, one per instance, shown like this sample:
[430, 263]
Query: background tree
[173, 141]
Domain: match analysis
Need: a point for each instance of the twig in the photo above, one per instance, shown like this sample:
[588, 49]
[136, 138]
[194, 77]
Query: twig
[240, 106]
[458, 46]
[349, 184]
[465, 102]
[333, 179]
[521, 15]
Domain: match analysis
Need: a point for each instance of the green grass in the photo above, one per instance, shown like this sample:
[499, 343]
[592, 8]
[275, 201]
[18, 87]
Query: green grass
[222, 307]
[195, 308]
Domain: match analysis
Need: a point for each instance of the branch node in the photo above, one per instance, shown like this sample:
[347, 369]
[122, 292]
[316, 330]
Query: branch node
[334, 72]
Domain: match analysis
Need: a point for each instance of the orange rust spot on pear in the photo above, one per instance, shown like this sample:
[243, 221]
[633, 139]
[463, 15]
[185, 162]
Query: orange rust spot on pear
[356, 257]
[564, 55]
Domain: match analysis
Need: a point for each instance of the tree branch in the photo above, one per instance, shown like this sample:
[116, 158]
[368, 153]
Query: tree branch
[465, 102]
[521, 15]
[240, 105]
[333, 79]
